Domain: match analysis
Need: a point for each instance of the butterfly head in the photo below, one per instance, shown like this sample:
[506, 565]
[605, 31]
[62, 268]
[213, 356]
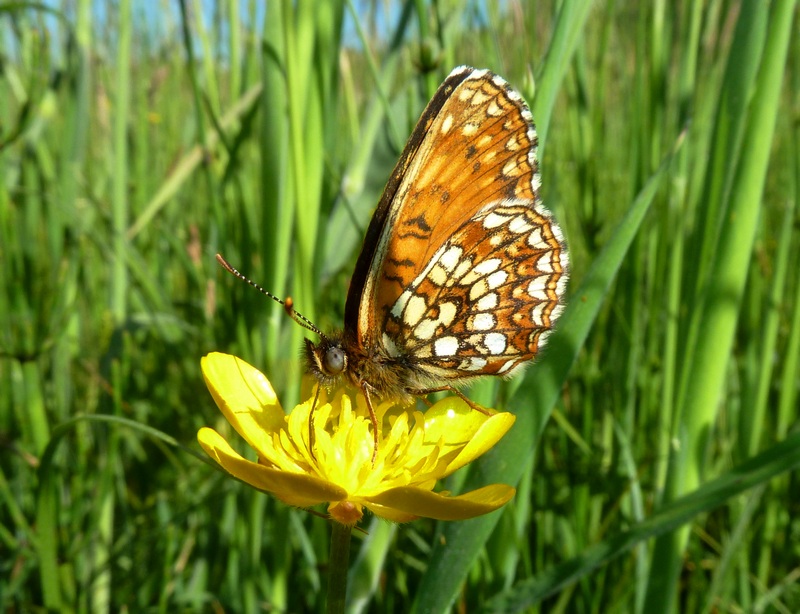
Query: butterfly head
[327, 360]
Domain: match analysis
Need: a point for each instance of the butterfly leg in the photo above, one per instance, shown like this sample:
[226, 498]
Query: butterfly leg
[373, 418]
[311, 438]
[456, 391]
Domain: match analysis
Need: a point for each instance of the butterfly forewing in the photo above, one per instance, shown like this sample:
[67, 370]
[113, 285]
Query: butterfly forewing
[463, 269]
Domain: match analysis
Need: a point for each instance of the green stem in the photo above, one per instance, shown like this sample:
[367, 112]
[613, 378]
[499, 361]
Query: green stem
[338, 565]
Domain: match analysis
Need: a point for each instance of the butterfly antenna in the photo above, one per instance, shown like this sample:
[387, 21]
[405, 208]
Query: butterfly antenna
[288, 304]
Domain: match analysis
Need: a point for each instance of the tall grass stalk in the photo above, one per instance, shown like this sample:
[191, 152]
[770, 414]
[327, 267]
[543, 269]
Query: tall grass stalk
[721, 295]
[119, 273]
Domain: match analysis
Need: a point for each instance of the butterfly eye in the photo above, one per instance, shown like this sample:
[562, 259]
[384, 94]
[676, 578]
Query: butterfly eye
[334, 361]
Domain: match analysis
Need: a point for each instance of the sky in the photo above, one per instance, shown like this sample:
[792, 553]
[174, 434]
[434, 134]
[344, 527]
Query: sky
[162, 16]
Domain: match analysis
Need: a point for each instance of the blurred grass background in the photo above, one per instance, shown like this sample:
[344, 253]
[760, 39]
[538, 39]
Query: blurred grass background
[137, 140]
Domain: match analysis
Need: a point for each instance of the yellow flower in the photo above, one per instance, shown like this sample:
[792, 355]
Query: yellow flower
[415, 449]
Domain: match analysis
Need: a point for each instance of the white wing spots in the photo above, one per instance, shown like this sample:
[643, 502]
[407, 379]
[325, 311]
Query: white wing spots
[445, 346]
[478, 289]
[401, 303]
[519, 225]
[494, 220]
[558, 234]
[537, 289]
[451, 258]
[472, 363]
[462, 268]
[494, 109]
[561, 284]
[563, 257]
[537, 313]
[482, 269]
[479, 98]
[526, 114]
[511, 168]
[545, 262]
[415, 310]
[536, 180]
[483, 142]
[540, 210]
[487, 302]
[543, 338]
[512, 368]
[481, 321]
[512, 144]
[508, 367]
[536, 240]
[473, 72]
[469, 129]
[445, 265]
[426, 329]
[447, 123]
[438, 275]
[390, 346]
[495, 343]
[484, 284]
[496, 279]
[487, 266]
[447, 313]
[412, 307]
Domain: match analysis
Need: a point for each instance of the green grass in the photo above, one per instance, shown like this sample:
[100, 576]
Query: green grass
[131, 154]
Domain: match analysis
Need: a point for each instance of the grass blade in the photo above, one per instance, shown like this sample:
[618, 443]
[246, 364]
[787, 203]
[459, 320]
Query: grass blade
[719, 313]
[777, 460]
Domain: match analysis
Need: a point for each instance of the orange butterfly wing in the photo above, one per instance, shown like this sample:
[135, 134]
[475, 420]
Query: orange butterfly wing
[462, 269]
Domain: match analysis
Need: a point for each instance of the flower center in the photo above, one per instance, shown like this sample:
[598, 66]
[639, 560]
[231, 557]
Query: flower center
[343, 446]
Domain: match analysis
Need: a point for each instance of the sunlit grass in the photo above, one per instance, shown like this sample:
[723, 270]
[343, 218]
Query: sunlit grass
[669, 154]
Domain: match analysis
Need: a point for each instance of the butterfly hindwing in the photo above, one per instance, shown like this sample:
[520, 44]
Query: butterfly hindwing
[485, 303]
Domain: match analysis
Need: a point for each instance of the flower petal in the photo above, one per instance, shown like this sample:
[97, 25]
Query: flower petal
[466, 432]
[453, 420]
[296, 489]
[411, 500]
[388, 513]
[245, 397]
[483, 440]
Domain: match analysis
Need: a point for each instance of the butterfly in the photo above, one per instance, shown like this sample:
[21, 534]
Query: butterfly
[463, 271]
